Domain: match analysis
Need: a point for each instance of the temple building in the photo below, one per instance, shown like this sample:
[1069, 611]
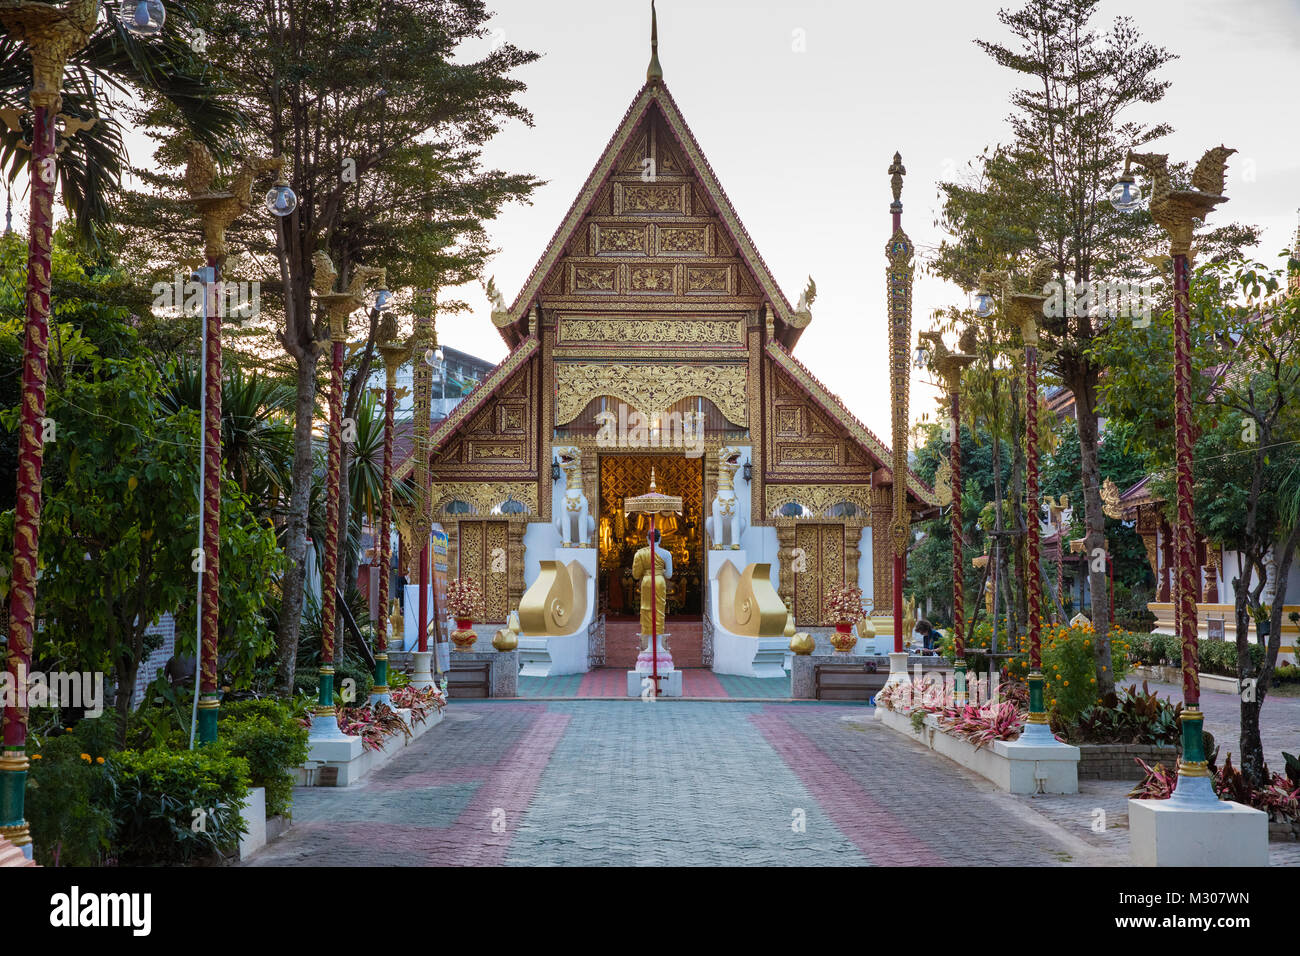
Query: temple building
[651, 336]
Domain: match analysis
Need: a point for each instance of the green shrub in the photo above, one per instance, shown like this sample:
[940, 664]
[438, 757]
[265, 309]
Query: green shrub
[178, 807]
[1069, 664]
[1130, 717]
[69, 790]
[266, 734]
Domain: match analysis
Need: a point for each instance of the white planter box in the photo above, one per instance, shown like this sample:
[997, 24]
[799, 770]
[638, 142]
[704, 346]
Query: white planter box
[253, 811]
[1009, 764]
[352, 768]
[1162, 833]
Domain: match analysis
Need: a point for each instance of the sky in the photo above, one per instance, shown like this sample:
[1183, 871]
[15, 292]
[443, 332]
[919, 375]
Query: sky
[800, 106]
[801, 139]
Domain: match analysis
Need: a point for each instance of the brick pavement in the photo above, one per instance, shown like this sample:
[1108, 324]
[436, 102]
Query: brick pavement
[612, 682]
[673, 782]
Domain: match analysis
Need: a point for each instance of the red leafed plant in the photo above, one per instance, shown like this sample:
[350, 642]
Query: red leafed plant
[982, 725]
[419, 702]
[1157, 783]
[1279, 798]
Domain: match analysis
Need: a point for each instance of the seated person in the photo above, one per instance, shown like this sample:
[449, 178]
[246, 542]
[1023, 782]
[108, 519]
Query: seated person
[930, 636]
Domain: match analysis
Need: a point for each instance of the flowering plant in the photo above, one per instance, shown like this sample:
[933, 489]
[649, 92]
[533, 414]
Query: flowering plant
[845, 604]
[463, 597]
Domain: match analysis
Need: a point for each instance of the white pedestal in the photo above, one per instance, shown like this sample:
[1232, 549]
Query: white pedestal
[422, 661]
[1186, 833]
[640, 682]
[897, 668]
[1036, 766]
[333, 749]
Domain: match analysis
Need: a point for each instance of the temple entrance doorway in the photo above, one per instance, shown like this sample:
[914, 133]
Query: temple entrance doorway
[619, 537]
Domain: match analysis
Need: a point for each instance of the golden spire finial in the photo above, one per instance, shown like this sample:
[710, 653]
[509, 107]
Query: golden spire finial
[896, 173]
[654, 72]
[652, 477]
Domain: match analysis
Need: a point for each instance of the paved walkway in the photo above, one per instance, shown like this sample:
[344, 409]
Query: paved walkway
[631, 782]
[696, 682]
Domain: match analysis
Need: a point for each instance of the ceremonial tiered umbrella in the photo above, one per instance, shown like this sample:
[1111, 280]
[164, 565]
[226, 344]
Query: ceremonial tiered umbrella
[653, 503]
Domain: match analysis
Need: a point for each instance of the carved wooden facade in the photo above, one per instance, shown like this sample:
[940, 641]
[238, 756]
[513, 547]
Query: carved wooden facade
[652, 294]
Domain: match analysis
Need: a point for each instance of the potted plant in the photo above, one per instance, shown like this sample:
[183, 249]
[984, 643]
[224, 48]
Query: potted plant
[844, 603]
[463, 599]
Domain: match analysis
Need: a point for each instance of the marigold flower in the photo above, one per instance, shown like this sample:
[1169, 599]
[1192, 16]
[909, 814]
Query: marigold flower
[86, 757]
[99, 760]
[36, 756]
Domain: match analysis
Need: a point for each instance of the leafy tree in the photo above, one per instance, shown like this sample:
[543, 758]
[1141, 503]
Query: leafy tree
[166, 67]
[382, 124]
[1043, 198]
[1246, 401]
[120, 514]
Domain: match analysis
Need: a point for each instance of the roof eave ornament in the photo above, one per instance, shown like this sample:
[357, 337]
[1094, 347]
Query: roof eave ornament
[654, 72]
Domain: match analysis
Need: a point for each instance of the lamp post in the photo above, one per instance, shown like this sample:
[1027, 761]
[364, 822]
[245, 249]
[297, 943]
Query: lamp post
[418, 516]
[394, 353]
[1175, 211]
[217, 209]
[1025, 308]
[898, 278]
[950, 365]
[338, 306]
[52, 34]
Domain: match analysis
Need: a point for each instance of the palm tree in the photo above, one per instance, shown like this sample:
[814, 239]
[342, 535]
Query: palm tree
[256, 429]
[366, 477]
[166, 67]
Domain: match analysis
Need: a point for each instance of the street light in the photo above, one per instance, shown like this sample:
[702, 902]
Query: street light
[950, 365]
[338, 306]
[984, 304]
[51, 34]
[217, 209]
[1026, 308]
[1176, 211]
[1126, 194]
[281, 200]
[395, 353]
[142, 18]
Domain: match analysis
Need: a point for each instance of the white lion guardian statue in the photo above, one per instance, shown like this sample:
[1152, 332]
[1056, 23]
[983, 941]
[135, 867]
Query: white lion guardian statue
[725, 525]
[575, 522]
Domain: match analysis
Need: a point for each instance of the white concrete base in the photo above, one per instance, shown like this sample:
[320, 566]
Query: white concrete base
[897, 668]
[748, 656]
[640, 682]
[355, 762]
[333, 749]
[253, 811]
[1163, 833]
[551, 656]
[1009, 764]
[421, 664]
[1038, 767]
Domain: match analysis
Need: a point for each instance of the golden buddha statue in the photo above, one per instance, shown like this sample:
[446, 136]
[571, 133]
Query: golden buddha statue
[663, 570]
[396, 622]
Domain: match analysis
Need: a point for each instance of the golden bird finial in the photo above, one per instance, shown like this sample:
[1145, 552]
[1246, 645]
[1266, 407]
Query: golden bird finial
[654, 72]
